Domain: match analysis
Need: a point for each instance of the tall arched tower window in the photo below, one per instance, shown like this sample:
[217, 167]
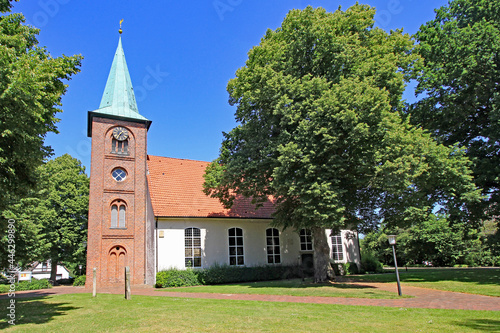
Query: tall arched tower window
[119, 147]
[118, 214]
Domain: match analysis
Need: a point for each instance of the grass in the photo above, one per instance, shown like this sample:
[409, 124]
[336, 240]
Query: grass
[294, 287]
[111, 313]
[480, 281]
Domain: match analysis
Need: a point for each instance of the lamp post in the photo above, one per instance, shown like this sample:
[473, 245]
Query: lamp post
[80, 266]
[392, 242]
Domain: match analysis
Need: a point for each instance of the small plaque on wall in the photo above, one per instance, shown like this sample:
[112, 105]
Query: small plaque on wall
[162, 234]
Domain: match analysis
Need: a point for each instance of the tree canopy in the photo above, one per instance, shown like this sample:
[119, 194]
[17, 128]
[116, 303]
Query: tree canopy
[31, 86]
[459, 81]
[52, 222]
[318, 105]
[436, 241]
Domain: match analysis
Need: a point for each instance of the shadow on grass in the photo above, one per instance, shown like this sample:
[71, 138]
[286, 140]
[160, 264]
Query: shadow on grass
[299, 284]
[486, 325]
[34, 311]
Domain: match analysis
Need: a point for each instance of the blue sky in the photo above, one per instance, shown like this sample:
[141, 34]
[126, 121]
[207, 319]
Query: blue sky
[180, 55]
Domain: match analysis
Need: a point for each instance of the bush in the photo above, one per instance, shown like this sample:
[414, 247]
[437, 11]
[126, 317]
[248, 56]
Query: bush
[27, 285]
[351, 268]
[176, 278]
[80, 281]
[370, 264]
[34, 284]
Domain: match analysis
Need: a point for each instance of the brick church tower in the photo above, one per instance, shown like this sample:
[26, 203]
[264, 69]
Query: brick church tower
[120, 224]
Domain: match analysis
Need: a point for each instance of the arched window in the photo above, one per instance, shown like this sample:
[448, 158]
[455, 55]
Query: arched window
[337, 252]
[114, 216]
[273, 246]
[192, 241]
[119, 147]
[236, 257]
[306, 240]
[121, 221]
[118, 215]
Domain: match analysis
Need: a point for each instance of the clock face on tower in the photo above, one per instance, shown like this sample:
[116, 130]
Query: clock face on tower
[120, 133]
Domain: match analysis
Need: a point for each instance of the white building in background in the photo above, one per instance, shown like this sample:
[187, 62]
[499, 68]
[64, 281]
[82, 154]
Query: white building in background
[41, 270]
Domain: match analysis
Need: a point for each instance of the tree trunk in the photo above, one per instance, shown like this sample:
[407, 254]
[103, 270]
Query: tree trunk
[53, 270]
[322, 268]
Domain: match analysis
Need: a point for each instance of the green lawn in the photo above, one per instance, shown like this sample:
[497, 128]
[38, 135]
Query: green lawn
[111, 313]
[295, 287]
[481, 281]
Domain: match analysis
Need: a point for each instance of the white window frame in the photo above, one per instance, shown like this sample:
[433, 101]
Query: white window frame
[337, 247]
[273, 247]
[192, 243]
[306, 240]
[235, 246]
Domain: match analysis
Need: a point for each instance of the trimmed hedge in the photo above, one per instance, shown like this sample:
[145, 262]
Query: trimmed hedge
[221, 274]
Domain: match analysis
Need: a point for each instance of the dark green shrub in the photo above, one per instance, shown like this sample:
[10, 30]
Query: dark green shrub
[220, 274]
[370, 264]
[68, 281]
[176, 278]
[80, 281]
[351, 268]
[339, 269]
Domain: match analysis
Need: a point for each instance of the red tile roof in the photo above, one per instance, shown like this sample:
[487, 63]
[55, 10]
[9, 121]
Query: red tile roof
[176, 189]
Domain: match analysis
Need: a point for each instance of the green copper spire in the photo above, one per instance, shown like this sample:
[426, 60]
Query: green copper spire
[118, 99]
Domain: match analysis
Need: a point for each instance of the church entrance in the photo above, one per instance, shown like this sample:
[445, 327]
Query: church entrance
[117, 260]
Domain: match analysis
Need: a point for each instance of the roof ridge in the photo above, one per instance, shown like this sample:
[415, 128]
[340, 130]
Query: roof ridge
[176, 158]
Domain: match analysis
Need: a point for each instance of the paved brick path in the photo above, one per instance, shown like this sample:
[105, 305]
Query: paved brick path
[423, 298]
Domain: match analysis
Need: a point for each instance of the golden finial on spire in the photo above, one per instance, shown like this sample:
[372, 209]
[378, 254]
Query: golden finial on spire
[120, 31]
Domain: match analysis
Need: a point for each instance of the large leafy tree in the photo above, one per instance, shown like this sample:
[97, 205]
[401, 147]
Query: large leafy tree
[31, 86]
[459, 80]
[51, 224]
[320, 131]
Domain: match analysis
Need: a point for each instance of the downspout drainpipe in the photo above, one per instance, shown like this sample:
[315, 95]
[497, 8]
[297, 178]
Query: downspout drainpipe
[156, 243]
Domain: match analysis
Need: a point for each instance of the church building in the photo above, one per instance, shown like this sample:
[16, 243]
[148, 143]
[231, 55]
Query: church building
[150, 213]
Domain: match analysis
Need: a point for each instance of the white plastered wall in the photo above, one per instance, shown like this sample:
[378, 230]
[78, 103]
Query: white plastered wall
[215, 247]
